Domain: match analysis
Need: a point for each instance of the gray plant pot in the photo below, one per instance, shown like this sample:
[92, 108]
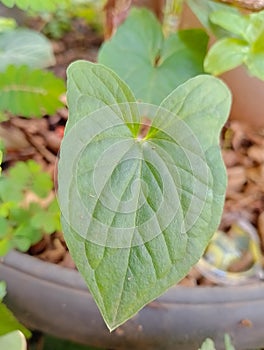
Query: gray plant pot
[55, 300]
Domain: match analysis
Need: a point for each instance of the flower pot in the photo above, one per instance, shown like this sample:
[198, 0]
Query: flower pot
[55, 300]
[248, 97]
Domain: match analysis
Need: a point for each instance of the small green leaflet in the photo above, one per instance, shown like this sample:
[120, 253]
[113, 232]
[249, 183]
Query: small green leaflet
[138, 210]
[152, 65]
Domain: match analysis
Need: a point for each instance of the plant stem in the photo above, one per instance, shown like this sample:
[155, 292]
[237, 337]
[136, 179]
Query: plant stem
[172, 14]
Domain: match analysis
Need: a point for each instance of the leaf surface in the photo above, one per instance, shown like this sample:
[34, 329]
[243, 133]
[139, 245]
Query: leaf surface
[232, 22]
[151, 65]
[138, 211]
[226, 54]
[28, 93]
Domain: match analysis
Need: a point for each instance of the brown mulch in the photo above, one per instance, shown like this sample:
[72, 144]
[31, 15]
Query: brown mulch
[39, 139]
[243, 154]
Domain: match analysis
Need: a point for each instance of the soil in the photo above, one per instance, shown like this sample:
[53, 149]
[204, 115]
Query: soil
[39, 139]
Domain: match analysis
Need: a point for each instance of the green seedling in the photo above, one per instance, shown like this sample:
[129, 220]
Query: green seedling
[26, 211]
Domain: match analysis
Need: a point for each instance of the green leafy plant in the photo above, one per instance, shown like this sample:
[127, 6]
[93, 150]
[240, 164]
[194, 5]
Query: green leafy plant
[25, 90]
[26, 211]
[60, 22]
[12, 333]
[149, 63]
[244, 45]
[240, 37]
[138, 208]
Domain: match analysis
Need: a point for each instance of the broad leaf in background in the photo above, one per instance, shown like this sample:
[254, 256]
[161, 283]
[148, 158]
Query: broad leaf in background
[25, 47]
[35, 5]
[150, 64]
[244, 44]
[139, 210]
[29, 93]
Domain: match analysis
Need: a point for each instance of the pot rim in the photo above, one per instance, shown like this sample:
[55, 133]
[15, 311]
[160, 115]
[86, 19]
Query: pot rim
[71, 278]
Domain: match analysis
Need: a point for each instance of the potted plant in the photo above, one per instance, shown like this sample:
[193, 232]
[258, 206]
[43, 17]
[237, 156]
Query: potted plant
[170, 314]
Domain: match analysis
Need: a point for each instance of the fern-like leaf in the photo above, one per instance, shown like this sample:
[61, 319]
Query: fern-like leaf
[28, 93]
[35, 5]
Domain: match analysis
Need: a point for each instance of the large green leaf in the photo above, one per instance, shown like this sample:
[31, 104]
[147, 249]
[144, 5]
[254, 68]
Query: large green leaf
[25, 47]
[28, 93]
[138, 211]
[150, 64]
[36, 5]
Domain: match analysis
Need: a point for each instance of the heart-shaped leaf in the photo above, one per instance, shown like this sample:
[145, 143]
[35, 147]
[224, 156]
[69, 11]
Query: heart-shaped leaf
[152, 65]
[139, 203]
